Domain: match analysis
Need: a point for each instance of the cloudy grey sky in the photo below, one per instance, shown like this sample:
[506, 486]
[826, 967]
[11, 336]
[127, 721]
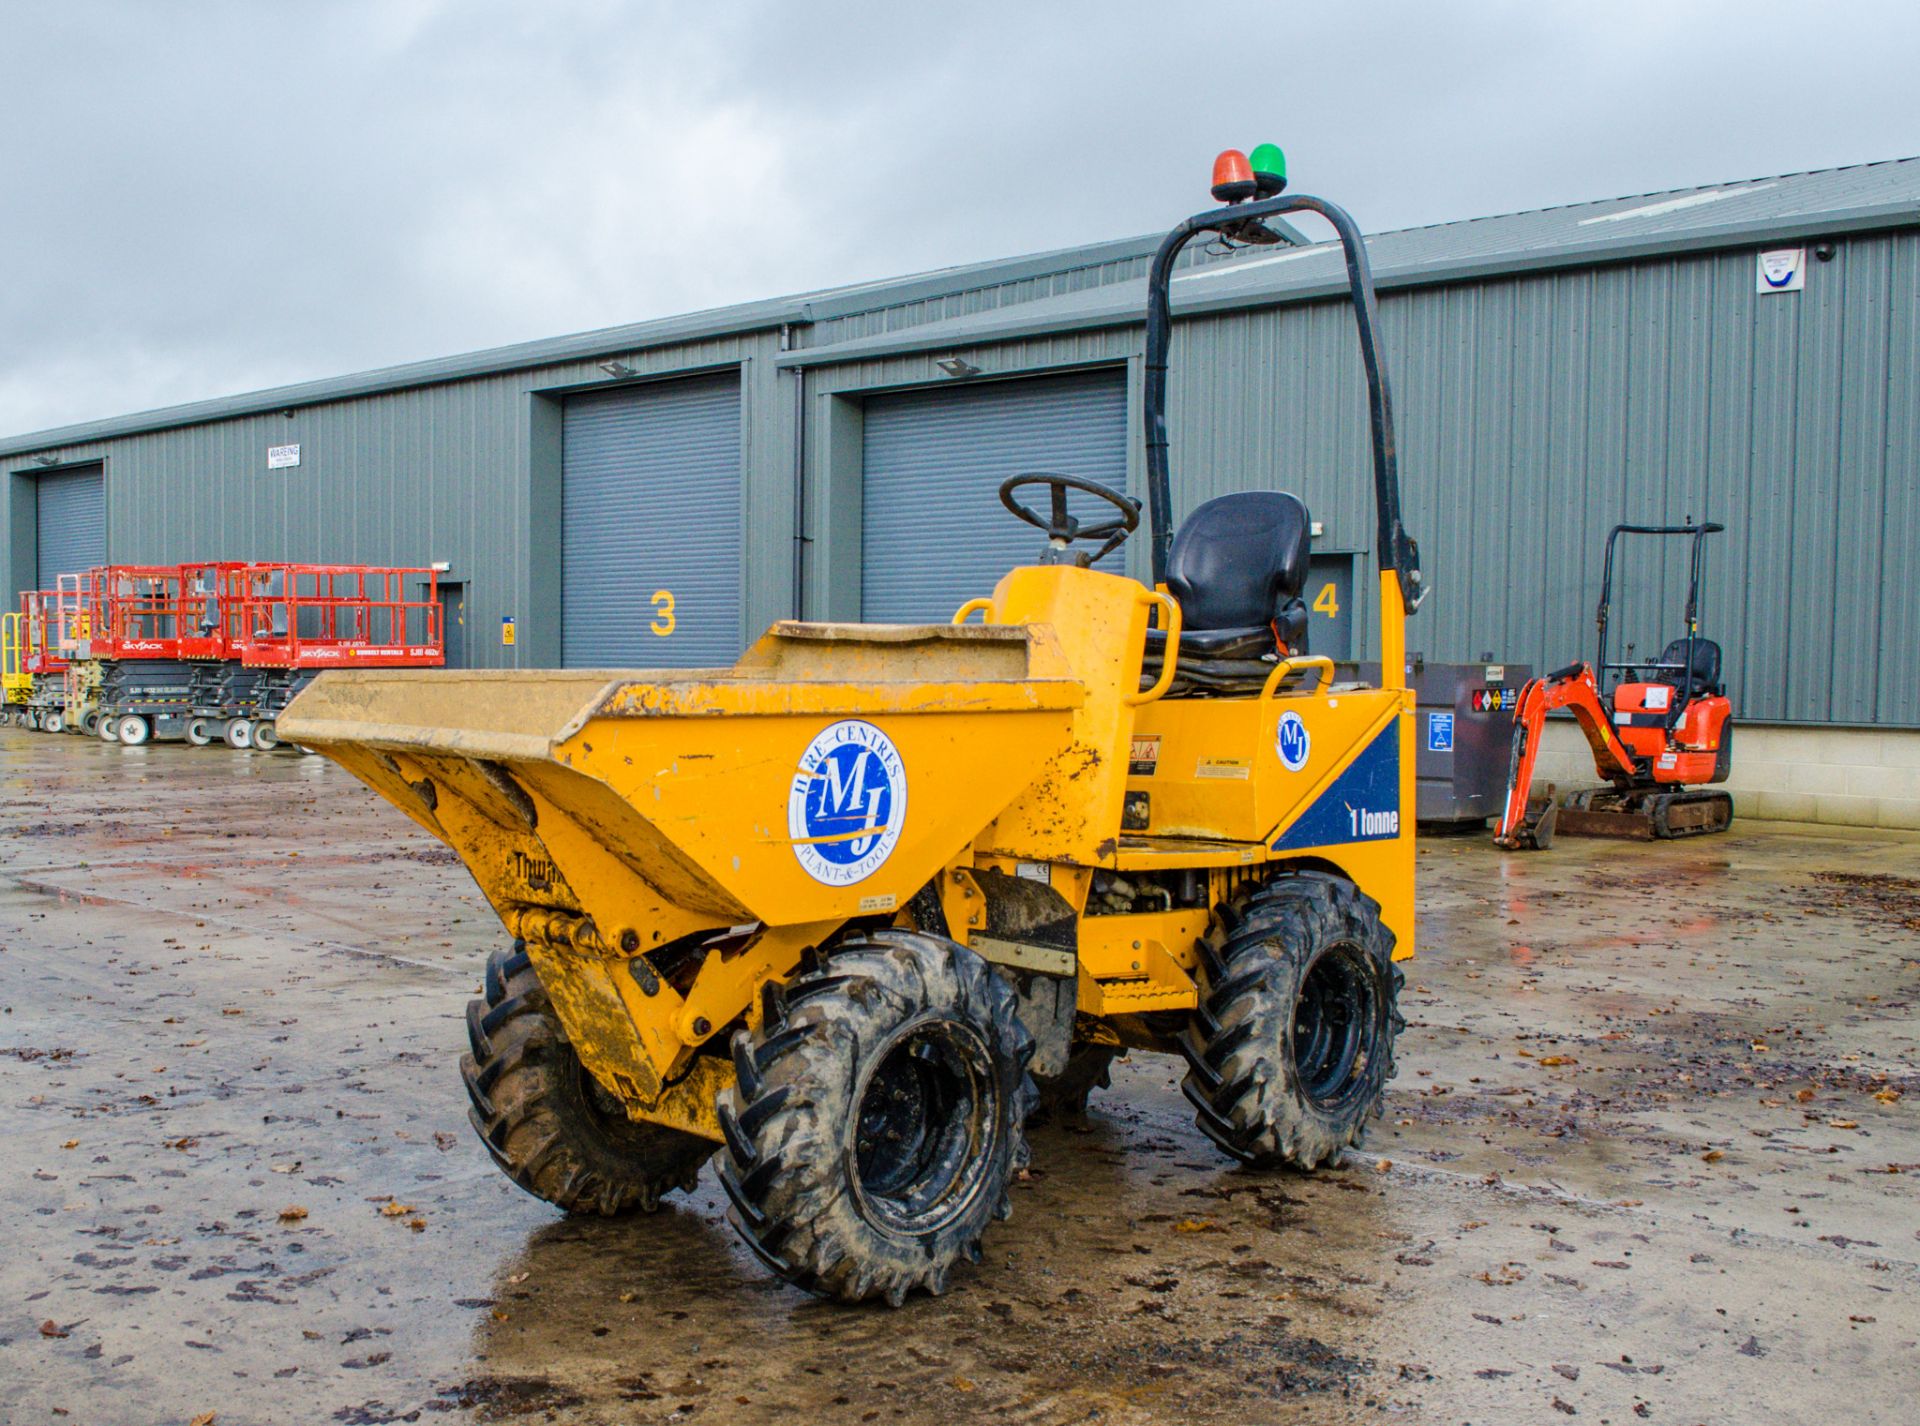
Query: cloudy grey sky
[212, 197]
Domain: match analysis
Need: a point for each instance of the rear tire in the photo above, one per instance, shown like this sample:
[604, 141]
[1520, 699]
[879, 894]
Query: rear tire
[53, 722]
[876, 1120]
[134, 730]
[546, 1121]
[106, 729]
[239, 734]
[265, 736]
[198, 733]
[1291, 1049]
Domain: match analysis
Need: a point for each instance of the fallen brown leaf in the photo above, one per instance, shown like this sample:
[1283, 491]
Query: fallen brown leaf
[1198, 1225]
[293, 1213]
[51, 1328]
[396, 1209]
[1712, 1156]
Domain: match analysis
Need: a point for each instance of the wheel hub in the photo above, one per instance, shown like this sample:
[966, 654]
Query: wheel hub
[1333, 1023]
[926, 1121]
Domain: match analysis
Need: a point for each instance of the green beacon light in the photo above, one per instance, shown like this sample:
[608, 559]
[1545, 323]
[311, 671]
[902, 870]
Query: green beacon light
[1269, 167]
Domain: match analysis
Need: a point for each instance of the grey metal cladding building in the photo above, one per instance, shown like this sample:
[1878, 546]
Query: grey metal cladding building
[633, 495]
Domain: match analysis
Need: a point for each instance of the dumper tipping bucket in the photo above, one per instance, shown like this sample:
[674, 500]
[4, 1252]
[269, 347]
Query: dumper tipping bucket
[827, 774]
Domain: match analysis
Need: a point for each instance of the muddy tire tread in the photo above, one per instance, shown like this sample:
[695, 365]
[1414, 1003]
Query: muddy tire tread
[524, 1086]
[793, 1102]
[1239, 1072]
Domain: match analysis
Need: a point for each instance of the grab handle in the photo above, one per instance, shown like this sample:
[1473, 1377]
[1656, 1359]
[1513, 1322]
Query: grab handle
[965, 611]
[1170, 622]
[1287, 667]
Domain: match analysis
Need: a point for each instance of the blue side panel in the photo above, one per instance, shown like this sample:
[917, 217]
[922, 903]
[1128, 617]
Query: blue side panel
[1363, 805]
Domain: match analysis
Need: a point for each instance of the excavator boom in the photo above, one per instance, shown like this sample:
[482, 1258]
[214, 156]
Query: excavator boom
[1527, 823]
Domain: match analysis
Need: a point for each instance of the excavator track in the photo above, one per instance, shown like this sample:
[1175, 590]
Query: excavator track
[1692, 813]
[1645, 815]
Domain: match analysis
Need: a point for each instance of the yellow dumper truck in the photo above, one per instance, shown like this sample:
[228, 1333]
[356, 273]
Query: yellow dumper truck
[847, 912]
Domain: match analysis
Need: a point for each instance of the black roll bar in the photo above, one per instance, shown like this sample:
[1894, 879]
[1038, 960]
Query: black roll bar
[1397, 550]
[1695, 565]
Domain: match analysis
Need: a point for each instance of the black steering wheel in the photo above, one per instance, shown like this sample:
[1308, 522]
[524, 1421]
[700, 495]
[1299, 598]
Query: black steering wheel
[1063, 529]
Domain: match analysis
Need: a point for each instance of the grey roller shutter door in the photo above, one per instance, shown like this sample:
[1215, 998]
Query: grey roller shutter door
[650, 525]
[70, 523]
[933, 531]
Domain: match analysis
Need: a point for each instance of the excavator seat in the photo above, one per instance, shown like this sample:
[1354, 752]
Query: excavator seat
[1702, 680]
[1237, 567]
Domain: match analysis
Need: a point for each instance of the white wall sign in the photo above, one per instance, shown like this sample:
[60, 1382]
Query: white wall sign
[1781, 270]
[282, 457]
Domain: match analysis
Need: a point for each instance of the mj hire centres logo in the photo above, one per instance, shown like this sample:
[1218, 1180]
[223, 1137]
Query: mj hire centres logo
[848, 803]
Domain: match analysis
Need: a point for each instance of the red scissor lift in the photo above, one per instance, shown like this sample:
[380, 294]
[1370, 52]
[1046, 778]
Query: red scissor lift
[286, 623]
[211, 650]
[145, 686]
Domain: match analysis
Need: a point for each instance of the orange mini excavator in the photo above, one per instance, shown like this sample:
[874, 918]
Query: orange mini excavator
[1666, 725]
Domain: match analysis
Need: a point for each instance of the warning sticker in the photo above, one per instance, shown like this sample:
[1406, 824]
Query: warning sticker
[1143, 759]
[1236, 768]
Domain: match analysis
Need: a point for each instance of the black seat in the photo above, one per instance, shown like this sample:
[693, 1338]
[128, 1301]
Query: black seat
[1703, 679]
[1237, 567]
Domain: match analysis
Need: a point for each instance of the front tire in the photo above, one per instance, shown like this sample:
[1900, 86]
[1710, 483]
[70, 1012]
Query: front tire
[877, 1118]
[265, 736]
[1291, 1049]
[135, 730]
[547, 1122]
[198, 733]
[239, 734]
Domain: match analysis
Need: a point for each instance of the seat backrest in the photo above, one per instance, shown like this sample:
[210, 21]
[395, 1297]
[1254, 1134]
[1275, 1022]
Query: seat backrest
[1239, 560]
[1703, 678]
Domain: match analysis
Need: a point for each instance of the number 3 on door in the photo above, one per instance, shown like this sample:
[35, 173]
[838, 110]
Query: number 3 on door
[662, 612]
[1327, 601]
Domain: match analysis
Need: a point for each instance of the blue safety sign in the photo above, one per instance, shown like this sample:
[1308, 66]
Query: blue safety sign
[1439, 732]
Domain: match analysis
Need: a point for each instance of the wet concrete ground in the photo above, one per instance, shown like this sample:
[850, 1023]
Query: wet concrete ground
[1653, 1155]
